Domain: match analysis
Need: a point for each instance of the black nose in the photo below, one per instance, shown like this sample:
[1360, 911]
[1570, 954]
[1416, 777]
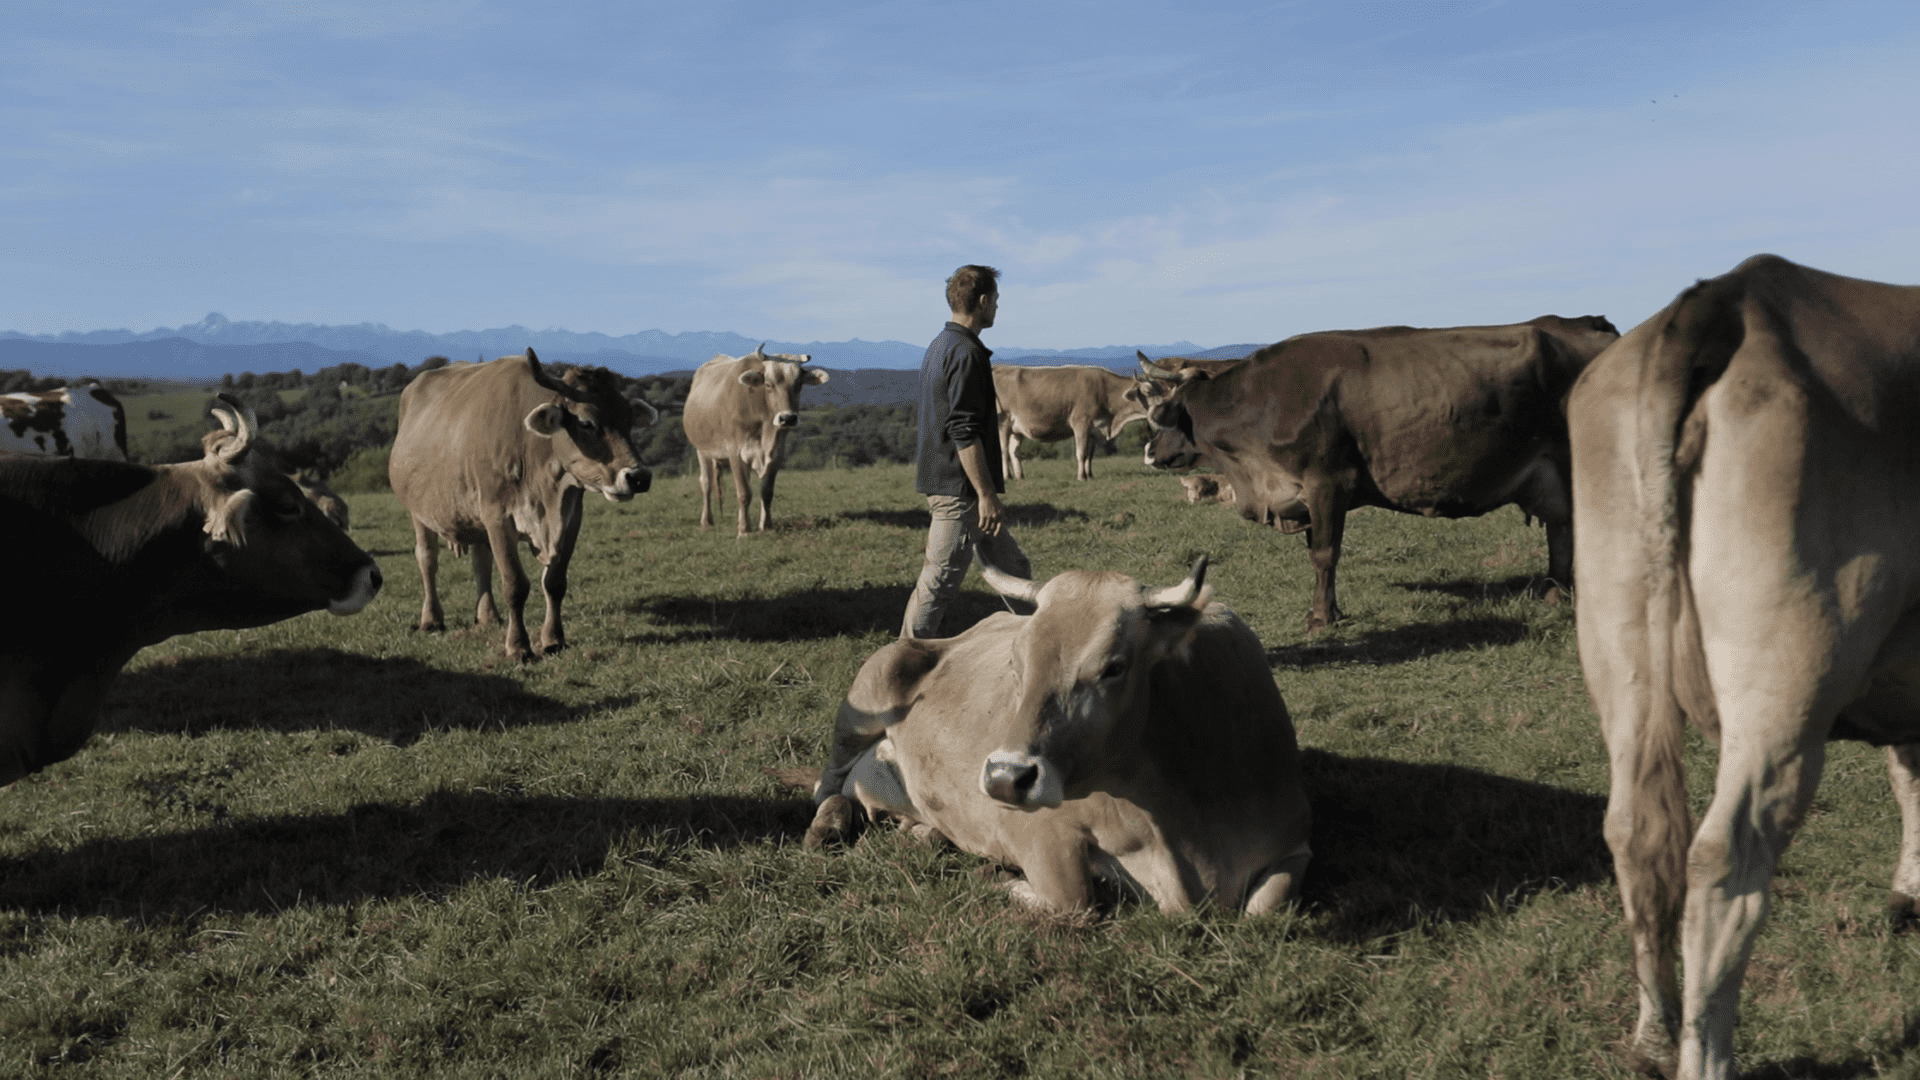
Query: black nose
[1009, 783]
[639, 480]
[376, 578]
[786, 419]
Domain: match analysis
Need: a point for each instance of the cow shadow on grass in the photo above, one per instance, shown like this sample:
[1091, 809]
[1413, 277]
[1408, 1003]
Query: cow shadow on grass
[379, 851]
[1401, 643]
[395, 699]
[1397, 845]
[1018, 516]
[800, 616]
[1480, 591]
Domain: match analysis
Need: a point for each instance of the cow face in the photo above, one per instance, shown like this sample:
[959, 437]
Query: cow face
[270, 553]
[1083, 661]
[591, 423]
[1173, 445]
[779, 377]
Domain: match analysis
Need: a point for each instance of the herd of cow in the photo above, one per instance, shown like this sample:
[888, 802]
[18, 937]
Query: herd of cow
[1732, 483]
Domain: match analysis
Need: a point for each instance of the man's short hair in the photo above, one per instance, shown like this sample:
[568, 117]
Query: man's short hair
[968, 286]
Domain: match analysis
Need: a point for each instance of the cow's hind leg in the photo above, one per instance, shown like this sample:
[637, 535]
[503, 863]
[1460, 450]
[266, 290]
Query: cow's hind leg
[1903, 903]
[741, 494]
[426, 553]
[484, 611]
[1010, 439]
[553, 580]
[1327, 511]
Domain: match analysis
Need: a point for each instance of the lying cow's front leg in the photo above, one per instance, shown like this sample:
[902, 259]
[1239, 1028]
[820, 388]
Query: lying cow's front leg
[1903, 767]
[1056, 876]
[513, 582]
[553, 580]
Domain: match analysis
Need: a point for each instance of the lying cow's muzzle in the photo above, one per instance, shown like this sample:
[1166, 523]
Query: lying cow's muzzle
[1021, 780]
[366, 585]
[630, 482]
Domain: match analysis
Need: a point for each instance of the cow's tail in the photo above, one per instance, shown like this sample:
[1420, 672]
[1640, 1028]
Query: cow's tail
[1690, 351]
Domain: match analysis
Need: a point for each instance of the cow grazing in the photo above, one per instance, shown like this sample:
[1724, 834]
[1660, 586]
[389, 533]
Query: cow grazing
[739, 410]
[1128, 733]
[1445, 423]
[72, 421]
[112, 557]
[1207, 489]
[1048, 404]
[491, 454]
[1744, 468]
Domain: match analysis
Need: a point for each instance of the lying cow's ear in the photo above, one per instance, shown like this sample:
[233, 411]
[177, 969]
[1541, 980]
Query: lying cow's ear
[753, 377]
[888, 682]
[546, 421]
[816, 376]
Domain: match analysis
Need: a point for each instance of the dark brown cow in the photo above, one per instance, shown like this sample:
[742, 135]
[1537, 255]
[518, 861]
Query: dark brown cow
[75, 421]
[488, 455]
[1745, 464]
[739, 410]
[1444, 423]
[1127, 733]
[1048, 404]
[109, 558]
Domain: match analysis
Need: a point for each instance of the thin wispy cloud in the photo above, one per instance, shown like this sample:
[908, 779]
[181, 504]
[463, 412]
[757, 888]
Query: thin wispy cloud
[1146, 173]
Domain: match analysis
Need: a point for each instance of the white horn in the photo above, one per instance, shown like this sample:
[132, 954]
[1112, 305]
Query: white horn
[1018, 588]
[237, 417]
[1183, 594]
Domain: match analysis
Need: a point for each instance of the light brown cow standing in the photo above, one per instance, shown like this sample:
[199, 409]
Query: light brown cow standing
[1745, 467]
[1128, 733]
[491, 454]
[1048, 404]
[738, 412]
[123, 556]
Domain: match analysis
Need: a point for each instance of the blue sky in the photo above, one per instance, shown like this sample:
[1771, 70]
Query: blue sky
[1140, 172]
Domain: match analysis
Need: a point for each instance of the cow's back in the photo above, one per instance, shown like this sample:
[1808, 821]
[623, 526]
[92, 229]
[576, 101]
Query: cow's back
[462, 444]
[720, 416]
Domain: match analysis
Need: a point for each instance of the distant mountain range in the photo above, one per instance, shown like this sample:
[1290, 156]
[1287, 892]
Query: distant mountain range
[216, 346]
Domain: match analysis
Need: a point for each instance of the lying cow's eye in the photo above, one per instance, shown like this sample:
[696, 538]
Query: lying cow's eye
[1114, 669]
[288, 509]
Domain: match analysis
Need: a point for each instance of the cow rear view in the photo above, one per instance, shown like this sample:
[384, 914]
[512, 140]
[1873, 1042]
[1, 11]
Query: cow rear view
[1746, 465]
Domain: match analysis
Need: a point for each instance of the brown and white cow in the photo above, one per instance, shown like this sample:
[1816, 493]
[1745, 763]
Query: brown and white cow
[1118, 731]
[1048, 404]
[488, 455]
[1745, 464]
[71, 421]
[109, 557]
[738, 412]
[1444, 422]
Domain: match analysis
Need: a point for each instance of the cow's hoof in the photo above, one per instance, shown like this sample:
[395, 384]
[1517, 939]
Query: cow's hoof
[1656, 1061]
[431, 626]
[1903, 911]
[520, 654]
[830, 822]
[550, 648]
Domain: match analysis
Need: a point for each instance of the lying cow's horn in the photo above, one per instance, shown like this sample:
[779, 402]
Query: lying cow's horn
[1183, 594]
[236, 416]
[1005, 584]
[759, 352]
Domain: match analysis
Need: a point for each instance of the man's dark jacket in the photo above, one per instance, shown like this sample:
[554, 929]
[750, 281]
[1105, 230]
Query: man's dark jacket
[957, 408]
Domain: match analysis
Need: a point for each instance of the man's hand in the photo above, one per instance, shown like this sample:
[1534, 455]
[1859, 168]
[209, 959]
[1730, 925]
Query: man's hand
[993, 516]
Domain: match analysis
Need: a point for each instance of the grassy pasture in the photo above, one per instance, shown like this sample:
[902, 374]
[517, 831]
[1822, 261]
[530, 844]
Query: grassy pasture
[339, 847]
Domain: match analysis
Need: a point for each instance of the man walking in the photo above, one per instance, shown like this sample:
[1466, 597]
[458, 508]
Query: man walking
[959, 468]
